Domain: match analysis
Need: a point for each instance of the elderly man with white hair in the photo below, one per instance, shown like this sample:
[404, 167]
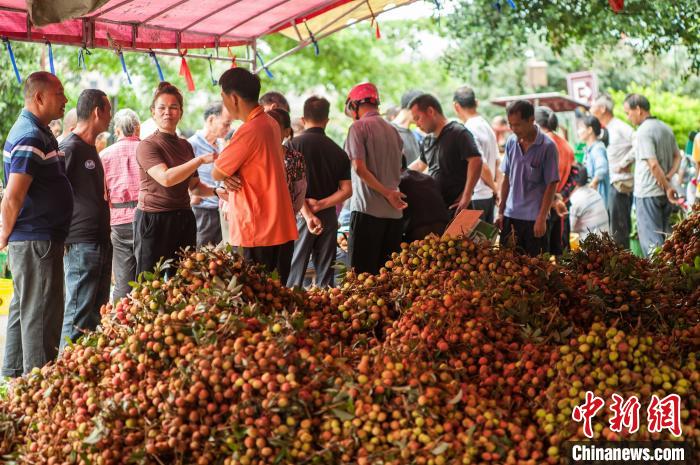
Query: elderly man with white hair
[122, 182]
[620, 159]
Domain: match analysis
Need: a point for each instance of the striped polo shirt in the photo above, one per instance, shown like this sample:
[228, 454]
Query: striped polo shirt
[31, 148]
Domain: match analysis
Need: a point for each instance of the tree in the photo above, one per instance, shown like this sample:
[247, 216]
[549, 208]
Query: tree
[346, 58]
[490, 31]
[11, 98]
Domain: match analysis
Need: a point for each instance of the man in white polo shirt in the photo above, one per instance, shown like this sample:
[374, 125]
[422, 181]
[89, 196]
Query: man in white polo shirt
[485, 195]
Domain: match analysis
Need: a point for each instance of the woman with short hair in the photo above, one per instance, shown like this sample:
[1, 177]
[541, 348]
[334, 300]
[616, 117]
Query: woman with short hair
[164, 222]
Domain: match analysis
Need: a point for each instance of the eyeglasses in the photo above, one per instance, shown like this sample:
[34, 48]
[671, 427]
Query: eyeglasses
[164, 109]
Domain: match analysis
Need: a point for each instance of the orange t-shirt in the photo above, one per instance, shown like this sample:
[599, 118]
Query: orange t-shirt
[260, 214]
[566, 158]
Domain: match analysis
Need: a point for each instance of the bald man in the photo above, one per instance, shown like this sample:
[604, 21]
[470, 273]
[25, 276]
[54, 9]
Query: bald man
[36, 215]
[69, 123]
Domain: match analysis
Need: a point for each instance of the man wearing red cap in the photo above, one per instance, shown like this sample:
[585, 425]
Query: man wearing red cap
[375, 150]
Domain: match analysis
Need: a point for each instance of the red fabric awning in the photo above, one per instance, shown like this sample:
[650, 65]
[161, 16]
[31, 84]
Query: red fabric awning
[176, 24]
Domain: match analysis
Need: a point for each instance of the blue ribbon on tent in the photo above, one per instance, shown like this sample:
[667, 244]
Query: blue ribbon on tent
[12, 59]
[497, 5]
[317, 50]
[155, 61]
[262, 63]
[214, 82]
[81, 58]
[53, 70]
[121, 58]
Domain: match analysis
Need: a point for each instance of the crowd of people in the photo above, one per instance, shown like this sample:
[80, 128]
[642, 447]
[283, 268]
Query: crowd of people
[81, 218]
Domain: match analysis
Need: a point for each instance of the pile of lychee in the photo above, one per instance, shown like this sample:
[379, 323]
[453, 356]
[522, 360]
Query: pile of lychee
[454, 353]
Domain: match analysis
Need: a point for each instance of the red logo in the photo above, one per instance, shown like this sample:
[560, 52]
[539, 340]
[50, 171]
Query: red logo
[625, 414]
[662, 414]
[587, 411]
[665, 414]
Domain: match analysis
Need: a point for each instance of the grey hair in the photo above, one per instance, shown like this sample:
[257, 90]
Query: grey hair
[126, 121]
[605, 102]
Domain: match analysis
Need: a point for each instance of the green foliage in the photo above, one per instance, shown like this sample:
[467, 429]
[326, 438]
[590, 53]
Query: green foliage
[394, 63]
[354, 55]
[106, 64]
[682, 113]
[486, 35]
[11, 100]
[347, 58]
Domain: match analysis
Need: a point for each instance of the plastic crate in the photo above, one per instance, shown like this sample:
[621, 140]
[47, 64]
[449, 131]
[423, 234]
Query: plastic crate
[4, 265]
[6, 291]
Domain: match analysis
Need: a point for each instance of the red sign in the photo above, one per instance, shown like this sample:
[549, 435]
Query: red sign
[583, 86]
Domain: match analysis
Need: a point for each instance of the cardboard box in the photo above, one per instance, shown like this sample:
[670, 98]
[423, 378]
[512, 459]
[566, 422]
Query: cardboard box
[468, 224]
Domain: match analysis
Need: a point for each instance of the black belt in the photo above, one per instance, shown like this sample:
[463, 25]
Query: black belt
[131, 204]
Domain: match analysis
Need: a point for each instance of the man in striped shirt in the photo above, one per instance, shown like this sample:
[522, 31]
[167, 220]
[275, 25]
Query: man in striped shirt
[122, 182]
[36, 215]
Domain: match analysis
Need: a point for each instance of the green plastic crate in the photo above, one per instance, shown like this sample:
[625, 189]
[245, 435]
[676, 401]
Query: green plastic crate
[4, 265]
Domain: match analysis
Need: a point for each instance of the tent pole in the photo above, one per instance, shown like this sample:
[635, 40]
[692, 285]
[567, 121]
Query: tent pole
[306, 42]
[254, 58]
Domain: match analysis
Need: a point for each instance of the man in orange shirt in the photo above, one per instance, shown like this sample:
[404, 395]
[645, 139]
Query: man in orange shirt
[261, 218]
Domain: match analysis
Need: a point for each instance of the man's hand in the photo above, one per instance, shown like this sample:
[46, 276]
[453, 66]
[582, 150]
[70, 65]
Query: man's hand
[207, 158]
[496, 198]
[233, 183]
[222, 193]
[560, 207]
[314, 225]
[395, 198]
[540, 227]
[315, 205]
[499, 221]
[3, 240]
[195, 200]
[463, 204]
[673, 196]
[623, 169]
[594, 184]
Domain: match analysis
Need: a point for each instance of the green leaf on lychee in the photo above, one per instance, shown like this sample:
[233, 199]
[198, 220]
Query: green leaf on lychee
[440, 448]
[456, 399]
[342, 414]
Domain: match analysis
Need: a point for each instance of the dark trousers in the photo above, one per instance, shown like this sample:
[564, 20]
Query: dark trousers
[653, 221]
[161, 235]
[322, 247]
[524, 232]
[88, 269]
[372, 240]
[620, 210]
[487, 206]
[284, 261]
[36, 308]
[208, 226]
[558, 231]
[123, 259]
[273, 257]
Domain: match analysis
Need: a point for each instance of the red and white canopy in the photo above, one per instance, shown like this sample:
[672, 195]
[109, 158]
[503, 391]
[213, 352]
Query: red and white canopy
[179, 24]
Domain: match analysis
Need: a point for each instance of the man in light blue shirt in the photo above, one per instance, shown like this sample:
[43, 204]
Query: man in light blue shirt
[217, 123]
[531, 174]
